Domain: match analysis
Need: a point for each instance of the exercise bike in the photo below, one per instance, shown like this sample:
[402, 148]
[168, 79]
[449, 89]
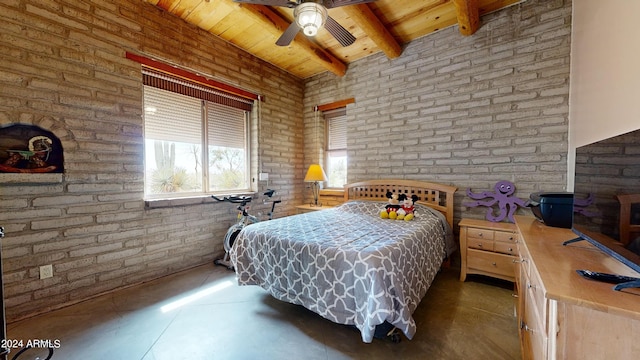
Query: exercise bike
[244, 219]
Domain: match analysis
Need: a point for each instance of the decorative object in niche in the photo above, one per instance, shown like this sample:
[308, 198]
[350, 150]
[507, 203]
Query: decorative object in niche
[504, 189]
[29, 149]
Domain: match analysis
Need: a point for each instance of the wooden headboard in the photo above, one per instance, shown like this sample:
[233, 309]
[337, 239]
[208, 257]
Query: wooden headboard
[436, 196]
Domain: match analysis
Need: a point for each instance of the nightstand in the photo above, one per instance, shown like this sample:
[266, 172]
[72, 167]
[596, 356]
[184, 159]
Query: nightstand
[488, 248]
[308, 208]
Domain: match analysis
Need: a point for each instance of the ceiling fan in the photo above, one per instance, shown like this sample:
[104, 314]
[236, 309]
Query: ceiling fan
[310, 16]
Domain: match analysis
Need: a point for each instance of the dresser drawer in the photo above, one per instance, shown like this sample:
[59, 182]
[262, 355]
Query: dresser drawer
[524, 260]
[490, 262]
[481, 244]
[536, 291]
[534, 332]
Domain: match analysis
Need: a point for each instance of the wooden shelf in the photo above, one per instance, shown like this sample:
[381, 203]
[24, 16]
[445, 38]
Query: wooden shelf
[31, 178]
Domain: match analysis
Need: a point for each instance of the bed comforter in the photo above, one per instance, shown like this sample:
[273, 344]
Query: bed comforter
[347, 264]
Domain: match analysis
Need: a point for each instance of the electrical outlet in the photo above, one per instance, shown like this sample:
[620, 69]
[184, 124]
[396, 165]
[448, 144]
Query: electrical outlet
[46, 271]
[263, 176]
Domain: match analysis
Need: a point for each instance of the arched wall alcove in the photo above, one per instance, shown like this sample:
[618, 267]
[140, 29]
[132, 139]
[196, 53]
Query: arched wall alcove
[26, 148]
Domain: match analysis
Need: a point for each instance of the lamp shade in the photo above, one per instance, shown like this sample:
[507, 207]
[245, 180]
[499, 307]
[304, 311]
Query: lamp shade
[315, 173]
[310, 17]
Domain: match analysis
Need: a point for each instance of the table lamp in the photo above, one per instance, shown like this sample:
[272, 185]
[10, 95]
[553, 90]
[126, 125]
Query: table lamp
[315, 174]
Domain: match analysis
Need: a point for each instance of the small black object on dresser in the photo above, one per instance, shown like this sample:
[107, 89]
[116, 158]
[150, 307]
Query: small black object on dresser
[553, 208]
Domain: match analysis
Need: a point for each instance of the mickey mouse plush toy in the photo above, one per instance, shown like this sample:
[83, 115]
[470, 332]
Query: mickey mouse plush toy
[391, 210]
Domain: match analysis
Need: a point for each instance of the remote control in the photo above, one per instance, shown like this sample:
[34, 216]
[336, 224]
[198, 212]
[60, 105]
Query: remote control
[604, 277]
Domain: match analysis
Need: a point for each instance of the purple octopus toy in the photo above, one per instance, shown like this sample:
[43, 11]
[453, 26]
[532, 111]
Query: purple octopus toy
[507, 204]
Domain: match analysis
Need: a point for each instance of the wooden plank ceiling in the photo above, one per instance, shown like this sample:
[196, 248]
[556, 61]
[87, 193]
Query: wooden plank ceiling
[380, 26]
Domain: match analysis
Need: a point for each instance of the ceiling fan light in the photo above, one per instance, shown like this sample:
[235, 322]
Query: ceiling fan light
[310, 17]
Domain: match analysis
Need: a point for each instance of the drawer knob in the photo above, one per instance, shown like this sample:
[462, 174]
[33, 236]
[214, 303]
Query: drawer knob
[510, 249]
[516, 261]
[525, 327]
[480, 234]
[494, 264]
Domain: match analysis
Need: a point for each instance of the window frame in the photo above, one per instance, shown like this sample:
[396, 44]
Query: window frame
[205, 177]
[331, 116]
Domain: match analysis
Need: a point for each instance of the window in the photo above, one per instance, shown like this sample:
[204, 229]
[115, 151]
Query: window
[181, 118]
[336, 159]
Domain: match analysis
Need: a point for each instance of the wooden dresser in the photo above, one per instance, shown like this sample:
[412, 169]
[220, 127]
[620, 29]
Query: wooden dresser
[564, 316]
[487, 248]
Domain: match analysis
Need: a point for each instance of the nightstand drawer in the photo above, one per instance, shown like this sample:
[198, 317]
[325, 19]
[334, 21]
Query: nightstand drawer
[505, 248]
[505, 236]
[480, 233]
[481, 244]
[490, 262]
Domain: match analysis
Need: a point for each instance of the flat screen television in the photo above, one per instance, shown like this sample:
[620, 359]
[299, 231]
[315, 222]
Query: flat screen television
[604, 170]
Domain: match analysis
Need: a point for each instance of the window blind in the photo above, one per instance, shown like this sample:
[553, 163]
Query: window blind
[172, 117]
[336, 129]
[226, 126]
[161, 80]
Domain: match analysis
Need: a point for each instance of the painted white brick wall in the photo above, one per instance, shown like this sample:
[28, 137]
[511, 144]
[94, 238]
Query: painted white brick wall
[465, 111]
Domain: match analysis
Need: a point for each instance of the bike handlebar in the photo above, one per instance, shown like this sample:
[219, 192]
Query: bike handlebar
[243, 199]
[234, 199]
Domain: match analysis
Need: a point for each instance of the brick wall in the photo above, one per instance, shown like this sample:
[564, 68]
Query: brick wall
[464, 111]
[467, 111]
[63, 68]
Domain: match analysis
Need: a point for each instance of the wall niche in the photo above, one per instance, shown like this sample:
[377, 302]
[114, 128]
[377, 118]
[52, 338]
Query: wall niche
[29, 152]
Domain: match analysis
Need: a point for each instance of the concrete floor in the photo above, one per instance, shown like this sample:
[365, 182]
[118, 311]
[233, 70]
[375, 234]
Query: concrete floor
[203, 314]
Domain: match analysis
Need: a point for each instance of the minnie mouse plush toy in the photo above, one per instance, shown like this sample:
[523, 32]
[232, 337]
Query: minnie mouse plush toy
[407, 207]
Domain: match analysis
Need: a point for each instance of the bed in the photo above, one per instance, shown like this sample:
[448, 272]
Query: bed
[349, 265]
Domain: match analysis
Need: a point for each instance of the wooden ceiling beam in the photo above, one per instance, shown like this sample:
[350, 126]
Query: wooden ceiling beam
[276, 25]
[365, 19]
[468, 16]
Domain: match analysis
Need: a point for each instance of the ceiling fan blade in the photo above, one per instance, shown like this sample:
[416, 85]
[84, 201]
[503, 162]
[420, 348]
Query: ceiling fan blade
[285, 3]
[288, 35]
[341, 34]
[330, 4]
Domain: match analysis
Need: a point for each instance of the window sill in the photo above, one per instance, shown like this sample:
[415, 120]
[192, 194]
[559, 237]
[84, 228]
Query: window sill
[186, 201]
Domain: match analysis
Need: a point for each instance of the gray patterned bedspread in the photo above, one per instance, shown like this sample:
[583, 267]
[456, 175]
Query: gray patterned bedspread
[347, 264]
